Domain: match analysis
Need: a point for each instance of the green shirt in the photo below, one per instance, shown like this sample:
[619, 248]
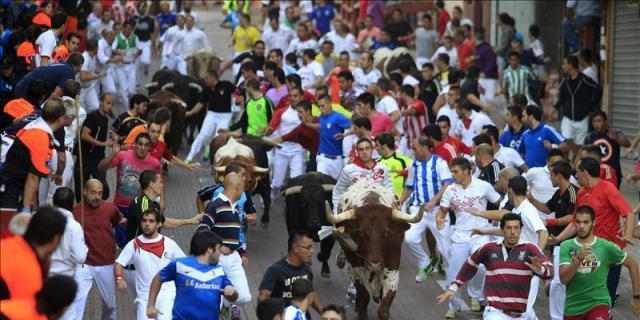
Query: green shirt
[396, 162]
[259, 113]
[588, 287]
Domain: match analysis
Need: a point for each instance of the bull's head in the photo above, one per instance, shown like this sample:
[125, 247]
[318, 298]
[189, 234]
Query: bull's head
[254, 173]
[371, 226]
[311, 199]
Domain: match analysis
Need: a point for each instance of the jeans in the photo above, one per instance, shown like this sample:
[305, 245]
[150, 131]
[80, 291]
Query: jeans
[612, 282]
[569, 26]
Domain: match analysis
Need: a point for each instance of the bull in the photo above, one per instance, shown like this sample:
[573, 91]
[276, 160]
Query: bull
[201, 61]
[378, 230]
[388, 61]
[163, 98]
[252, 154]
[188, 89]
[305, 198]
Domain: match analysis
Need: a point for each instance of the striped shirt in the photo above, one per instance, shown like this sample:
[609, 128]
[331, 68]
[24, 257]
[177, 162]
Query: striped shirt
[507, 278]
[223, 217]
[517, 80]
[426, 179]
[414, 124]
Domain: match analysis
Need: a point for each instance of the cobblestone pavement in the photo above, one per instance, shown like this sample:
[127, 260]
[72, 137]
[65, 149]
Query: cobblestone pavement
[413, 301]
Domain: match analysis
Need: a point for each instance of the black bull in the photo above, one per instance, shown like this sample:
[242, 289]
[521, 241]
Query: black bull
[305, 209]
[189, 90]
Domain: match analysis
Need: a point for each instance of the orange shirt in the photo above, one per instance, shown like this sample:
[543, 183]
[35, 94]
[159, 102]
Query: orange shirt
[38, 142]
[133, 134]
[334, 85]
[20, 268]
[19, 108]
[61, 54]
[21, 309]
[26, 50]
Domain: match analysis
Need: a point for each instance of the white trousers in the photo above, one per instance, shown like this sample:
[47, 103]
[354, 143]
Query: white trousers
[145, 56]
[177, 63]
[104, 278]
[164, 304]
[291, 157]
[403, 147]
[575, 130]
[491, 313]
[126, 76]
[89, 99]
[47, 185]
[328, 166]
[531, 300]
[557, 290]
[458, 255]
[213, 121]
[232, 266]
[490, 87]
[413, 237]
[108, 83]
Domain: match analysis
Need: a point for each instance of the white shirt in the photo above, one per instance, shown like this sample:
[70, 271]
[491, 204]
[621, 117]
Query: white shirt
[347, 43]
[277, 39]
[293, 313]
[89, 65]
[531, 220]
[362, 80]
[509, 157]
[460, 199]
[103, 55]
[410, 80]
[96, 28]
[591, 72]
[148, 264]
[463, 21]
[128, 53]
[194, 40]
[446, 110]
[537, 48]
[388, 105]
[45, 45]
[288, 121]
[539, 181]
[71, 130]
[308, 74]
[453, 55]
[298, 46]
[72, 249]
[478, 120]
[426, 179]
[172, 41]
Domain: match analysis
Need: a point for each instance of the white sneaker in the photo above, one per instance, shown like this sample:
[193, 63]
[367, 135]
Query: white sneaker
[351, 292]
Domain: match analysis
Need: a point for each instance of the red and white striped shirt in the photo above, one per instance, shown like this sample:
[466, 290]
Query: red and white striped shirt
[507, 279]
[414, 124]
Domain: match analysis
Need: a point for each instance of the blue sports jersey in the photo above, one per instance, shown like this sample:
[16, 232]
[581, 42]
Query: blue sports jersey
[165, 21]
[330, 125]
[198, 288]
[292, 312]
[322, 16]
[511, 139]
[532, 145]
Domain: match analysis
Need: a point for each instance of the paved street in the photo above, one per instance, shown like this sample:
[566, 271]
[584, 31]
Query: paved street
[265, 246]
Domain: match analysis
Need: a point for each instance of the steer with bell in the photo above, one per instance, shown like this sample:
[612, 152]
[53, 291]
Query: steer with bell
[377, 228]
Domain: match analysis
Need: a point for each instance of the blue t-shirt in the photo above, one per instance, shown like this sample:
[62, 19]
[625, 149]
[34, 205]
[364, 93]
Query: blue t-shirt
[532, 144]
[323, 17]
[54, 75]
[198, 288]
[165, 21]
[330, 125]
[511, 139]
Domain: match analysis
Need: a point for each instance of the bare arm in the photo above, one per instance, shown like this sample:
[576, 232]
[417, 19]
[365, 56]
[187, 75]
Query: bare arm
[440, 101]
[630, 224]
[199, 204]
[195, 110]
[538, 204]
[395, 116]
[543, 237]
[105, 163]
[263, 294]
[156, 283]
[57, 92]
[171, 223]
[632, 266]
[317, 305]
[85, 135]
[568, 232]
[31, 185]
[476, 102]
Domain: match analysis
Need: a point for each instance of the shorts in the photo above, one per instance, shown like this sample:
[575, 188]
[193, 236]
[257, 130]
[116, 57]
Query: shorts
[599, 312]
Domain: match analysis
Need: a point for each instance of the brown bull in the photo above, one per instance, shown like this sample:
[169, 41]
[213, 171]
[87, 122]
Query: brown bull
[378, 230]
[251, 153]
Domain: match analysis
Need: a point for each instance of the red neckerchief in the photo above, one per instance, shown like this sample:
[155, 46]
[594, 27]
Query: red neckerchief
[467, 123]
[360, 164]
[156, 248]
[384, 94]
[305, 38]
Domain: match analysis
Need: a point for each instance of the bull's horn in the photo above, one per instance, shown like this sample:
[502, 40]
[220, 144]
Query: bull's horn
[195, 86]
[270, 142]
[257, 169]
[399, 215]
[220, 168]
[179, 102]
[341, 217]
[328, 187]
[167, 86]
[292, 190]
[151, 85]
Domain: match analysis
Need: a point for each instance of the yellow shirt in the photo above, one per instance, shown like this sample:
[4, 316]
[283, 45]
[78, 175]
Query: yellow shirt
[336, 107]
[244, 39]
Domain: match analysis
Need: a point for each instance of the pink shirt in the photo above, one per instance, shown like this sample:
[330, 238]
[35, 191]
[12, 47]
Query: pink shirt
[380, 123]
[374, 33]
[129, 169]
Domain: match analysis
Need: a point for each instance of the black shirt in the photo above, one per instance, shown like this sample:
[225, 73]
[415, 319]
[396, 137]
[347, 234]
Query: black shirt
[609, 148]
[59, 135]
[399, 29]
[218, 98]
[124, 123]
[562, 203]
[491, 174]
[470, 87]
[279, 277]
[138, 205]
[144, 28]
[429, 92]
[257, 60]
[99, 126]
